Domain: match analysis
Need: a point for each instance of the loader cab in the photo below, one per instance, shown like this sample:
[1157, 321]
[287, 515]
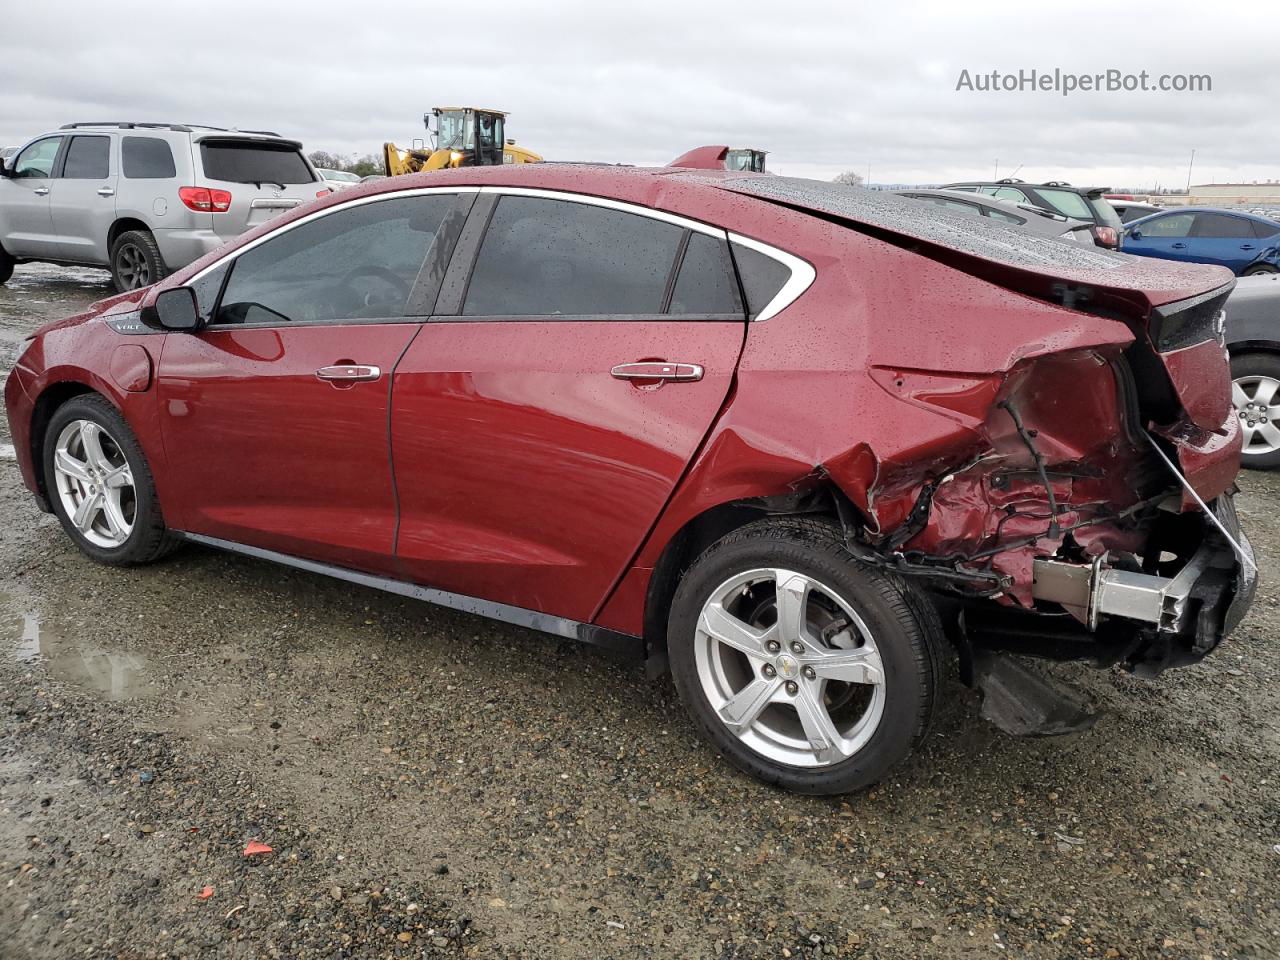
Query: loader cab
[473, 137]
[747, 159]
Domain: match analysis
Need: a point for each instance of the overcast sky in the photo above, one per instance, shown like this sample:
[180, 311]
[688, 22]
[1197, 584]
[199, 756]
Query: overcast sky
[823, 87]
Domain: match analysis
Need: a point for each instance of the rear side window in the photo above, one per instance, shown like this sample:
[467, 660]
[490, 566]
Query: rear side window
[87, 159]
[146, 158]
[706, 283]
[559, 258]
[762, 277]
[1006, 193]
[1220, 226]
[1263, 230]
[242, 162]
[355, 263]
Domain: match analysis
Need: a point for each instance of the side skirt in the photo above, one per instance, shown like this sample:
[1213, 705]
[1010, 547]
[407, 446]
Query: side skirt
[622, 645]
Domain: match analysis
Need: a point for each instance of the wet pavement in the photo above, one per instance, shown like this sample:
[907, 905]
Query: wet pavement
[432, 784]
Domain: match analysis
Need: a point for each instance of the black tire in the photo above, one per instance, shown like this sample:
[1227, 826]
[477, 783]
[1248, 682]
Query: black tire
[1258, 269]
[149, 539]
[7, 264]
[902, 620]
[136, 261]
[1243, 367]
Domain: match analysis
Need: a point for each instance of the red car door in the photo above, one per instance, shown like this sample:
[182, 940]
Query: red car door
[542, 419]
[275, 415]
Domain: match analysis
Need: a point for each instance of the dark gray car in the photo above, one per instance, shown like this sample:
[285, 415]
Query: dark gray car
[1253, 339]
[1036, 220]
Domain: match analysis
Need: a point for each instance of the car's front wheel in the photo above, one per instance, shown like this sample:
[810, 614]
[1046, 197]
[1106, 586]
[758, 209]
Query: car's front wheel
[804, 667]
[100, 484]
[1255, 394]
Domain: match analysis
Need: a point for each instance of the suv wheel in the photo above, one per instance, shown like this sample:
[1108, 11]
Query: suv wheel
[805, 668]
[136, 261]
[100, 485]
[1255, 394]
[6, 266]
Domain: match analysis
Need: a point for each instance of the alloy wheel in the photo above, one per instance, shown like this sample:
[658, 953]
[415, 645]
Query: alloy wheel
[95, 483]
[789, 668]
[132, 266]
[1254, 398]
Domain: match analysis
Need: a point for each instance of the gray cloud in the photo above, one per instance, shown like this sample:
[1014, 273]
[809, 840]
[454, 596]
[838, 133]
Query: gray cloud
[824, 86]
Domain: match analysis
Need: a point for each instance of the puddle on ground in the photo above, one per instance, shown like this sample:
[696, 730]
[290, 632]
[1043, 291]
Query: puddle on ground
[114, 674]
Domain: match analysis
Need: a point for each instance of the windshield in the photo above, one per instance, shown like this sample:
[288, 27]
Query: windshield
[456, 130]
[749, 160]
[243, 162]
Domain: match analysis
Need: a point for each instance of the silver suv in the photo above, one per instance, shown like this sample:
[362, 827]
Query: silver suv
[142, 199]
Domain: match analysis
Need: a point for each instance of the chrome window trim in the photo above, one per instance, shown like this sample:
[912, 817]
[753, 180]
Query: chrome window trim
[802, 276]
[621, 205]
[802, 272]
[374, 198]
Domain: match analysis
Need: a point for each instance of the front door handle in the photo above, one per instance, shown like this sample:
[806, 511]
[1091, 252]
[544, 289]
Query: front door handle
[41, 191]
[1247, 246]
[657, 370]
[1179, 246]
[106, 192]
[349, 373]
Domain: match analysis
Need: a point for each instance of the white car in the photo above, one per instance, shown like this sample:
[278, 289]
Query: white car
[337, 180]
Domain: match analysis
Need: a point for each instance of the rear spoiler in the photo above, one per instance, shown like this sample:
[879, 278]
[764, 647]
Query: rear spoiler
[256, 137]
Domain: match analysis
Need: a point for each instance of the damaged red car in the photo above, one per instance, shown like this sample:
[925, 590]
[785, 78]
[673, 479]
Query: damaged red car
[797, 443]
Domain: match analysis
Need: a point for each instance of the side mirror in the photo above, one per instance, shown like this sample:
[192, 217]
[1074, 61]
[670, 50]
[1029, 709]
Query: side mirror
[5, 169]
[1135, 234]
[174, 310]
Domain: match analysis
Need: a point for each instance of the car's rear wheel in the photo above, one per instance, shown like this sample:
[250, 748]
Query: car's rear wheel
[136, 261]
[1255, 394]
[100, 485]
[805, 668]
[1258, 269]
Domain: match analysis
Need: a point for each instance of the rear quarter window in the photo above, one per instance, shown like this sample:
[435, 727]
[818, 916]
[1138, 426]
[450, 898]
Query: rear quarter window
[762, 277]
[146, 158]
[241, 162]
[706, 283]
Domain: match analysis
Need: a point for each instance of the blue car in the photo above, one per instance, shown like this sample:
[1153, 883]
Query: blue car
[1243, 242]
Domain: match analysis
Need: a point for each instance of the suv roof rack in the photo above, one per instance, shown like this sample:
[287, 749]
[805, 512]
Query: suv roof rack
[176, 127]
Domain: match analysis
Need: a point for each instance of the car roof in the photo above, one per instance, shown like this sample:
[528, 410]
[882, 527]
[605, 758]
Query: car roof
[1244, 214]
[1025, 183]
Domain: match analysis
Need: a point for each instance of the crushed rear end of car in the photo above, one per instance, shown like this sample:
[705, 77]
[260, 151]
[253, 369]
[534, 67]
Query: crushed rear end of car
[1070, 498]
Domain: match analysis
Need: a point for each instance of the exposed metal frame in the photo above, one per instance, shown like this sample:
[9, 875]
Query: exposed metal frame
[621, 644]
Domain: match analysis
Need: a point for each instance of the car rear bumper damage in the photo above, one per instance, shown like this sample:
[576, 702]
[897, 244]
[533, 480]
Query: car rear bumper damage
[1181, 616]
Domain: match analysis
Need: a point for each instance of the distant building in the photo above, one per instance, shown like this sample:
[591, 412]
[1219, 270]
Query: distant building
[1268, 190]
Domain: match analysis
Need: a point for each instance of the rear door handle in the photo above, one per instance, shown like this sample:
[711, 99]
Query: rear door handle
[41, 191]
[1179, 246]
[349, 372]
[106, 192]
[657, 370]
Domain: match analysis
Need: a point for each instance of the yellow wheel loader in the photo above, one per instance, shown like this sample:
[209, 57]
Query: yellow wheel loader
[464, 137]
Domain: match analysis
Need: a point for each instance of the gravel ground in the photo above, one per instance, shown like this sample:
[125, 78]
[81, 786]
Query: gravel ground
[432, 784]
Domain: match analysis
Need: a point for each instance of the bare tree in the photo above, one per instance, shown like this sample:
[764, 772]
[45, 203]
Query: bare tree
[848, 178]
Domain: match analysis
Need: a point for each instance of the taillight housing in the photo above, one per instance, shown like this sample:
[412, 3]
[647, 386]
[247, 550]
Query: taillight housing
[324, 193]
[1107, 237]
[205, 200]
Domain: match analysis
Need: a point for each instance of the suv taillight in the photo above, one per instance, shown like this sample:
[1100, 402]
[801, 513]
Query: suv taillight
[1107, 237]
[204, 200]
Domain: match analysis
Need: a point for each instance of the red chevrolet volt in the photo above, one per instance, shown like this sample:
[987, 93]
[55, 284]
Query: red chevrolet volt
[797, 443]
